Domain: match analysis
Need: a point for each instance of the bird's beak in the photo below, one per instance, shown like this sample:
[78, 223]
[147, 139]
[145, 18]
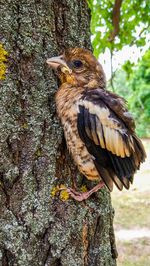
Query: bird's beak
[55, 62]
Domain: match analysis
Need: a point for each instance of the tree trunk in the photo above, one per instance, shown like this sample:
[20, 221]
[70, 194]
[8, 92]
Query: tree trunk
[35, 227]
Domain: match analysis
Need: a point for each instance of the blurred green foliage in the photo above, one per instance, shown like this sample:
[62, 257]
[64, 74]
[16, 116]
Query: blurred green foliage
[134, 86]
[139, 100]
[131, 82]
[133, 14]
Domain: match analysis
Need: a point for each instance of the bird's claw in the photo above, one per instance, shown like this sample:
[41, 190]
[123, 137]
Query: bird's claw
[82, 196]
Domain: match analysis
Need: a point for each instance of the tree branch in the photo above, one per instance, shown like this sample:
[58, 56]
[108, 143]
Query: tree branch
[141, 32]
[115, 20]
[112, 73]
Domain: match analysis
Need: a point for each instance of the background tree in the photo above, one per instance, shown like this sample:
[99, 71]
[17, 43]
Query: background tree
[139, 99]
[111, 19]
[35, 227]
[116, 24]
[133, 83]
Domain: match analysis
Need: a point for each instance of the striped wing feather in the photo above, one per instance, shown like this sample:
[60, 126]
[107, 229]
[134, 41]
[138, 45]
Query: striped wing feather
[111, 140]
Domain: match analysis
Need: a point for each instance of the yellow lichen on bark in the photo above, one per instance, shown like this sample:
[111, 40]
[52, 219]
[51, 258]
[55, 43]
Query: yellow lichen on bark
[3, 53]
[63, 195]
[83, 189]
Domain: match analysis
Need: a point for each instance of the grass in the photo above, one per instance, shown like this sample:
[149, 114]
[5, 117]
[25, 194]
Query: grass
[131, 209]
[134, 253]
[132, 212]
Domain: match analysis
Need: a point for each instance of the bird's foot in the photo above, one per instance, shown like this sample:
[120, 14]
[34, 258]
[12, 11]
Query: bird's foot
[82, 196]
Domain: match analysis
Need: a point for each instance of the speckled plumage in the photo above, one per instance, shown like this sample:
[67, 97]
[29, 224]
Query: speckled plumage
[67, 109]
[98, 128]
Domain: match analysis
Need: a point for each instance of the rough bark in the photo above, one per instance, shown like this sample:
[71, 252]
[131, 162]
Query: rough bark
[35, 228]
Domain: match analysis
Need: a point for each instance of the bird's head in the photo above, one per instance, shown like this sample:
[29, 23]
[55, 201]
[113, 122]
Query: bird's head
[79, 67]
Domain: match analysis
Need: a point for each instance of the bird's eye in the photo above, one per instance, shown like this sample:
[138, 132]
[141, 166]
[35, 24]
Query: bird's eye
[77, 63]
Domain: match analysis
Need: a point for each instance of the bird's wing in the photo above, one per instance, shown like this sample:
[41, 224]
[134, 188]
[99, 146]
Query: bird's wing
[107, 129]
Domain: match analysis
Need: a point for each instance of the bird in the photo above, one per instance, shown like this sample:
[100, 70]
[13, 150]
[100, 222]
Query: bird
[98, 128]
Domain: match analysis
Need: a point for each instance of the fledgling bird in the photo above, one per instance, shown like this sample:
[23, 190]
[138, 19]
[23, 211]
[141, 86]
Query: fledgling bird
[99, 130]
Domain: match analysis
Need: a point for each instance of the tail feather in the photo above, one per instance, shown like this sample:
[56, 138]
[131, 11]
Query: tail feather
[139, 150]
[116, 180]
[105, 177]
[126, 182]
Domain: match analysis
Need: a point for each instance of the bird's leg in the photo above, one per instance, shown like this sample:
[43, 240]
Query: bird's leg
[82, 196]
